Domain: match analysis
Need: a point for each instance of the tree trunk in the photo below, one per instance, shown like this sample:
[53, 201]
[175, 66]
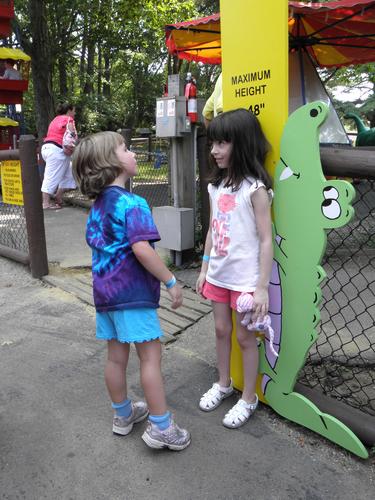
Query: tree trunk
[41, 65]
[100, 70]
[59, 33]
[107, 75]
[83, 55]
[89, 87]
[63, 77]
[91, 44]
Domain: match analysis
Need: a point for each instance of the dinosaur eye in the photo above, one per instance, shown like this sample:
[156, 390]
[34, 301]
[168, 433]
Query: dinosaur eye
[314, 112]
[330, 192]
[331, 209]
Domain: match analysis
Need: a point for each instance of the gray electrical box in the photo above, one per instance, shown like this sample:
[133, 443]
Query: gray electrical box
[171, 118]
[175, 226]
[175, 86]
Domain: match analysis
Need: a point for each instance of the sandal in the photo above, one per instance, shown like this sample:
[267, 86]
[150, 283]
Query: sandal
[56, 206]
[60, 203]
[240, 413]
[214, 397]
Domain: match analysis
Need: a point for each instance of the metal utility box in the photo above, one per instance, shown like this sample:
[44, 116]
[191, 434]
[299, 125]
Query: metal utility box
[175, 226]
[175, 85]
[171, 118]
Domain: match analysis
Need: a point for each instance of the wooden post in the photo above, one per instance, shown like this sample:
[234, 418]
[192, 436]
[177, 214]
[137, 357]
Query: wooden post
[33, 206]
[127, 135]
[348, 162]
[202, 153]
[182, 160]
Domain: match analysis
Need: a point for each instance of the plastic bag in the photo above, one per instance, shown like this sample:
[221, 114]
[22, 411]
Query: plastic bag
[69, 139]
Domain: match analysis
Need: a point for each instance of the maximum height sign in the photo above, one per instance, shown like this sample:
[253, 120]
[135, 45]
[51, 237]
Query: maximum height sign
[254, 41]
[11, 182]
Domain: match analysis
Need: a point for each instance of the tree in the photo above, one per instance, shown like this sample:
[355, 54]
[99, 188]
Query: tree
[36, 42]
[109, 57]
[360, 77]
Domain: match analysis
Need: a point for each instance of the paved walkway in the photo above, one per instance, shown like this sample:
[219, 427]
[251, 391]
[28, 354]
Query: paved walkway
[173, 322]
[55, 417]
[70, 263]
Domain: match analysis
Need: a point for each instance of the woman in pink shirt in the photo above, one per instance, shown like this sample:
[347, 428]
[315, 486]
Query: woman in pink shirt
[58, 172]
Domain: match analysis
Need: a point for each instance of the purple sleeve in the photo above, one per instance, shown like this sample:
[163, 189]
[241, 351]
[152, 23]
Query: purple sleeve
[140, 225]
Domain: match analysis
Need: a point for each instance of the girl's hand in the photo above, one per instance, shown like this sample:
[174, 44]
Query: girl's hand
[200, 282]
[176, 295]
[261, 303]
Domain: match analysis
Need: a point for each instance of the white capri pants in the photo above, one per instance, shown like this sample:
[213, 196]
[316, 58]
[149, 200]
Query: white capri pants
[58, 171]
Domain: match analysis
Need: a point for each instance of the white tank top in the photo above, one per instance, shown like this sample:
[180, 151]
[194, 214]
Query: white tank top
[234, 257]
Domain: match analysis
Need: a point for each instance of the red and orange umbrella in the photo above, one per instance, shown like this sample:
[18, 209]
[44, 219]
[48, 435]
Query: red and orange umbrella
[336, 34]
[196, 40]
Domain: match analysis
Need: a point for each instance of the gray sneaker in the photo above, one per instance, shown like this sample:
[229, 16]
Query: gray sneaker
[173, 437]
[123, 425]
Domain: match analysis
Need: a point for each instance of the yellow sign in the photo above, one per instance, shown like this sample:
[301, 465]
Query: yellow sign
[11, 182]
[254, 41]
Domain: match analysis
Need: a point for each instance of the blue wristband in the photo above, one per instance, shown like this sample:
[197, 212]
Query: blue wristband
[206, 258]
[171, 282]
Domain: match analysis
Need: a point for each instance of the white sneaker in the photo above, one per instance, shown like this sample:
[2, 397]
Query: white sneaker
[123, 425]
[240, 413]
[173, 437]
[214, 396]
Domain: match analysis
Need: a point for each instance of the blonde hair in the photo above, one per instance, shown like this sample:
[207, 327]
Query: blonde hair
[95, 163]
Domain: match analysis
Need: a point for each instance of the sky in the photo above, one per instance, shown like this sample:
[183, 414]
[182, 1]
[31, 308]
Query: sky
[342, 93]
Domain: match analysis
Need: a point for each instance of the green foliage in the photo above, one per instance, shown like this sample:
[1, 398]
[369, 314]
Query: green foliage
[107, 56]
[361, 78]
[110, 58]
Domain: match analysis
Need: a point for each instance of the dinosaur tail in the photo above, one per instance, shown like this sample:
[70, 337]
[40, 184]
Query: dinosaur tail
[275, 307]
[299, 409]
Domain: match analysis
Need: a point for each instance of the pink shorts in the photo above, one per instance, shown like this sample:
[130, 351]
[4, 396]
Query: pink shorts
[219, 294]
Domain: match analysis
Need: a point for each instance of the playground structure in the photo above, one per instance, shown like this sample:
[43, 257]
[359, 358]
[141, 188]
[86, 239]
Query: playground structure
[22, 236]
[11, 91]
[6, 15]
[9, 132]
[325, 35]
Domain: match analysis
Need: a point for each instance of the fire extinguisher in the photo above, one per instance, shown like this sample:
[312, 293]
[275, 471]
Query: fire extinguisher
[191, 96]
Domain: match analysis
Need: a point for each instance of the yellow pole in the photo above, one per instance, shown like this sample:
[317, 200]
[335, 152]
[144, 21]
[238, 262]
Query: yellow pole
[254, 40]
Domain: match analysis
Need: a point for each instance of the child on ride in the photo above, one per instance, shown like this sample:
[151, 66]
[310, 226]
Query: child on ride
[126, 280]
[238, 250]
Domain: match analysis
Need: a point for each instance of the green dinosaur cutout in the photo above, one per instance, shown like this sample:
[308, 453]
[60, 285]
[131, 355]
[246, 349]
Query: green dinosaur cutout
[305, 205]
[365, 135]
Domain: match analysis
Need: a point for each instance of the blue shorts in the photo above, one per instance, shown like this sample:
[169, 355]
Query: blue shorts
[128, 325]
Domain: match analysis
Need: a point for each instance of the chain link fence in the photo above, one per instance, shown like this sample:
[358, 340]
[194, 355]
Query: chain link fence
[153, 179]
[342, 362]
[13, 233]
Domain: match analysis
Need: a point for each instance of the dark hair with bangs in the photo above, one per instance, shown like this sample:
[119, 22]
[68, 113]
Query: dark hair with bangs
[249, 148]
[95, 164]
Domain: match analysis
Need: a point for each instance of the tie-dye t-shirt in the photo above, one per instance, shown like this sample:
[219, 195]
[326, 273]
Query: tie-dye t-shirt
[117, 220]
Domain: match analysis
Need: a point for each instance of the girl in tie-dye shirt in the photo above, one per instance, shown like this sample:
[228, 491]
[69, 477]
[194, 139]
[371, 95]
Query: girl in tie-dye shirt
[126, 281]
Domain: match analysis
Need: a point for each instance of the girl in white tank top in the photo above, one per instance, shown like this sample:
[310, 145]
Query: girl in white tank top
[238, 250]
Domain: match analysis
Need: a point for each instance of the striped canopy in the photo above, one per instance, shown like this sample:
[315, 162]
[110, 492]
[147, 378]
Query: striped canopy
[334, 34]
[197, 40]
